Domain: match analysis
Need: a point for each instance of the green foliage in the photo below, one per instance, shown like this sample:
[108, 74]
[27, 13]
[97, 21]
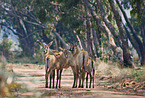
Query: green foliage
[6, 79]
[68, 4]
[10, 88]
[5, 46]
[137, 8]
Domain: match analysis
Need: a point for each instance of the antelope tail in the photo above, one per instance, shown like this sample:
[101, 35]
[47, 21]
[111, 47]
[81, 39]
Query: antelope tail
[93, 67]
[83, 61]
[47, 63]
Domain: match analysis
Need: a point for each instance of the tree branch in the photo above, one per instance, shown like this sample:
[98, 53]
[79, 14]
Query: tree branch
[60, 38]
[10, 29]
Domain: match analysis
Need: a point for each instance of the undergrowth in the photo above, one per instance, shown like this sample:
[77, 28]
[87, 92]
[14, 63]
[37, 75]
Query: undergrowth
[9, 88]
[113, 69]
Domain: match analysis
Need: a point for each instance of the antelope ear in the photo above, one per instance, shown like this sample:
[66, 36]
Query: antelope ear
[50, 44]
[45, 46]
[40, 43]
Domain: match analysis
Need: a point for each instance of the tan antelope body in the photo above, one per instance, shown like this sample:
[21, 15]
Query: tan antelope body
[46, 52]
[72, 64]
[80, 61]
[57, 61]
[90, 69]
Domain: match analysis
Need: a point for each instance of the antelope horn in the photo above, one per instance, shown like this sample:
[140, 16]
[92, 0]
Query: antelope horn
[50, 44]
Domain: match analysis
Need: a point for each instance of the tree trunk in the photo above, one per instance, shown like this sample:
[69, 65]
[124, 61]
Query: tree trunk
[25, 38]
[65, 46]
[89, 39]
[126, 52]
[143, 37]
[79, 41]
[97, 42]
[138, 45]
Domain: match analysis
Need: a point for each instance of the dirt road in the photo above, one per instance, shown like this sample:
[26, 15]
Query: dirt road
[33, 78]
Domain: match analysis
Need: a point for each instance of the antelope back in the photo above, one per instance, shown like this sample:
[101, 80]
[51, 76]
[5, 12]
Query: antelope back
[82, 59]
[50, 60]
[91, 65]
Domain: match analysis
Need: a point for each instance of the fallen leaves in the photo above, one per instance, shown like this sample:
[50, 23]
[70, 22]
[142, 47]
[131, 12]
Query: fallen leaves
[130, 86]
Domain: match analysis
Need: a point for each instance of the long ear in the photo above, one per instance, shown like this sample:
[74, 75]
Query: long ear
[41, 43]
[50, 44]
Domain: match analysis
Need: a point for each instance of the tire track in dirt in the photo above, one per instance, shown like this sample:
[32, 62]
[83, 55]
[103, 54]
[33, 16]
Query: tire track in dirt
[33, 77]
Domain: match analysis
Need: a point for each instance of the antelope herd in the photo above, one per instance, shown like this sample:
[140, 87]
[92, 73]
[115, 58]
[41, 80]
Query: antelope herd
[74, 57]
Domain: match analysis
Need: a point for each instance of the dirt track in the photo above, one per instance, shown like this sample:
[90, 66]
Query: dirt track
[33, 77]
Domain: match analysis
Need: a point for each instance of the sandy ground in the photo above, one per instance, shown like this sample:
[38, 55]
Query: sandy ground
[33, 78]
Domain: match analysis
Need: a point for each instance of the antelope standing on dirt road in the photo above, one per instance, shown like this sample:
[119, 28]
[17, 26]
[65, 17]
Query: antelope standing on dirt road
[90, 69]
[56, 61]
[46, 52]
[80, 60]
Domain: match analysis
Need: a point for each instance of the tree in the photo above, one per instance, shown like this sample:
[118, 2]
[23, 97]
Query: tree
[138, 9]
[95, 24]
[121, 39]
[5, 47]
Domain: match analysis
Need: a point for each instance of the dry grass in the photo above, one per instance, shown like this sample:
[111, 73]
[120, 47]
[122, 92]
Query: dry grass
[108, 69]
[113, 69]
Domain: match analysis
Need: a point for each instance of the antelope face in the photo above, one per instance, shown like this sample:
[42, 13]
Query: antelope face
[73, 49]
[46, 50]
[66, 52]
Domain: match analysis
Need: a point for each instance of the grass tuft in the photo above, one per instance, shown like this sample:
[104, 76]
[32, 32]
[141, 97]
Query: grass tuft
[114, 70]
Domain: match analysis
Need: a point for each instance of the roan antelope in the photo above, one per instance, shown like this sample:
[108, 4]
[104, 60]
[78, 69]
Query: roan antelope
[80, 60]
[72, 63]
[46, 52]
[90, 69]
[56, 61]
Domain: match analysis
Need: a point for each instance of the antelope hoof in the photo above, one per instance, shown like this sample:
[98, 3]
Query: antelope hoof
[60, 86]
[46, 86]
[81, 86]
[74, 87]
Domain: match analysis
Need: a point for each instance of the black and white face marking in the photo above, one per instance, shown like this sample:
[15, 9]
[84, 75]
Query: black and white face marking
[45, 50]
[66, 52]
[73, 49]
